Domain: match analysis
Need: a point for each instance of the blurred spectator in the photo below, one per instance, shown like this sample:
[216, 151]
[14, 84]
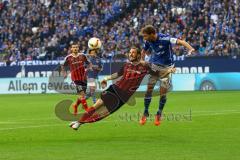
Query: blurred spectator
[31, 29]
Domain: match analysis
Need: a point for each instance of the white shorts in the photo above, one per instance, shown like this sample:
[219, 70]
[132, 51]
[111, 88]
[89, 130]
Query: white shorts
[161, 75]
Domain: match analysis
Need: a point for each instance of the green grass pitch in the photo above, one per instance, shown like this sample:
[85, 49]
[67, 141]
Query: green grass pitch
[29, 130]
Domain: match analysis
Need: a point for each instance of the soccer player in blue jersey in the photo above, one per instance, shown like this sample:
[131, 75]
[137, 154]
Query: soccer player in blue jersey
[159, 47]
[93, 72]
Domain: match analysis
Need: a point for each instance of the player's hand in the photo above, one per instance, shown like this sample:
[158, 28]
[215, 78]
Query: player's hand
[190, 52]
[172, 70]
[103, 84]
[143, 62]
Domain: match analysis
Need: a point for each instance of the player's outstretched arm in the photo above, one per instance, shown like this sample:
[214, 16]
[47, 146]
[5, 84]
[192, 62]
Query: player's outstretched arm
[107, 78]
[143, 54]
[187, 45]
[112, 76]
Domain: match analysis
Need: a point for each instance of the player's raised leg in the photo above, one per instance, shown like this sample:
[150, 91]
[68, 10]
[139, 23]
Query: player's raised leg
[106, 105]
[88, 117]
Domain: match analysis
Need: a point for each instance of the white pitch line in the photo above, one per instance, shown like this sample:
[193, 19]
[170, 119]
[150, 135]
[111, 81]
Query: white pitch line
[36, 119]
[37, 126]
[8, 122]
[215, 114]
[47, 125]
[107, 121]
[192, 111]
[215, 111]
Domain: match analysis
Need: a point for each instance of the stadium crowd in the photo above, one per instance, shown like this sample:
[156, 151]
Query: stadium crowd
[43, 29]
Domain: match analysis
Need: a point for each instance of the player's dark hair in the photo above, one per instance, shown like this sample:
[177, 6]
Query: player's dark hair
[73, 43]
[148, 29]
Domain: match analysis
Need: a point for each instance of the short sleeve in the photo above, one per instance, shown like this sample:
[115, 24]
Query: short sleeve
[173, 40]
[168, 38]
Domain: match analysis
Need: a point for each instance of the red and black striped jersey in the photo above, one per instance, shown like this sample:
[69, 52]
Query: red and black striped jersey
[132, 76]
[77, 65]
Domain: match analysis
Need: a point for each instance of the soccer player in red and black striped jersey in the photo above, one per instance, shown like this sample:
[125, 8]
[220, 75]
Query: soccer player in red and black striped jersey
[77, 63]
[119, 93]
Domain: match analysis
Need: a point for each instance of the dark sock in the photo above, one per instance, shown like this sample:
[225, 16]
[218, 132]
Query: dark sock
[147, 101]
[162, 103]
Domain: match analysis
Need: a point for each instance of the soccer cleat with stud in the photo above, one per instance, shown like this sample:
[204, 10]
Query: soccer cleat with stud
[72, 123]
[75, 125]
[157, 121]
[143, 120]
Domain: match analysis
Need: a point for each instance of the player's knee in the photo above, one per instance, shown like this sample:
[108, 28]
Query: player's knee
[150, 86]
[163, 91]
[148, 94]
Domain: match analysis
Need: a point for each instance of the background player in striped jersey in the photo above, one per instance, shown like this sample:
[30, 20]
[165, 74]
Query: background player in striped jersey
[119, 93]
[77, 62]
[159, 47]
[92, 73]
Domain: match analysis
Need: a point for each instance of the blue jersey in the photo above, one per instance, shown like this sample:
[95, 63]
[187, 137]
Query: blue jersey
[161, 50]
[96, 62]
